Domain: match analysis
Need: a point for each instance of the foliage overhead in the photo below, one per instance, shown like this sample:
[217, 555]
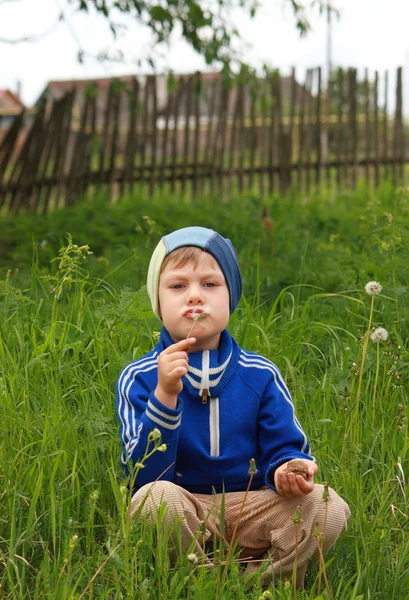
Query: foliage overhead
[205, 24]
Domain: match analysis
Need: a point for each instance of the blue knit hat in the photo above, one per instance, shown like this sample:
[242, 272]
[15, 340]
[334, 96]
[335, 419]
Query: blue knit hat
[219, 247]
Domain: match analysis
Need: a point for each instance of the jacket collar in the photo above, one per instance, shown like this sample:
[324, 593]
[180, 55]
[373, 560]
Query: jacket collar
[211, 369]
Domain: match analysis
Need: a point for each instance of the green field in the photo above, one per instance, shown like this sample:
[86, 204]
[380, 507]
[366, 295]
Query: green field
[69, 322]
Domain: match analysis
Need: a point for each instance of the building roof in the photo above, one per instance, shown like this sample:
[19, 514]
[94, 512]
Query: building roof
[10, 103]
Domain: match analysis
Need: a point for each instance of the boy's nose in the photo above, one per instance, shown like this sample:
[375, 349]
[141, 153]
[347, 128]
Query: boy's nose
[195, 296]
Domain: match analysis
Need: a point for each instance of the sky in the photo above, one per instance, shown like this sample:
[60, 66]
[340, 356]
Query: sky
[368, 34]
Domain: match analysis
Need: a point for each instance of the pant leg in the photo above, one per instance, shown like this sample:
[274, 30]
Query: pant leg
[267, 529]
[183, 510]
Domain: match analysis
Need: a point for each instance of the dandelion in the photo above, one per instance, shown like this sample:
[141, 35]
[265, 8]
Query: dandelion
[267, 595]
[379, 335]
[154, 435]
[198, 316]
[192, 558]
[373, 288]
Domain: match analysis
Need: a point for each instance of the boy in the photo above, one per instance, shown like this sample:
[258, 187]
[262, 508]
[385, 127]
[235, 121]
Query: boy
[216, 407]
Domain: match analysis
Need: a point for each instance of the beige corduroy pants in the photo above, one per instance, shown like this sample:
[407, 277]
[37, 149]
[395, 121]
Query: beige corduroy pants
[266, 529]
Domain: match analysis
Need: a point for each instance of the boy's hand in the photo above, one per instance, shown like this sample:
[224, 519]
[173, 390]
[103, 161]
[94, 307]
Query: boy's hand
[172, 366]
[292, 485]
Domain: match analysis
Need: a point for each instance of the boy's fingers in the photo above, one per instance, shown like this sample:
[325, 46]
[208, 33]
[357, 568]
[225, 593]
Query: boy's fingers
[182, 345]
[293, 486]
[179, 372]
[171, 358]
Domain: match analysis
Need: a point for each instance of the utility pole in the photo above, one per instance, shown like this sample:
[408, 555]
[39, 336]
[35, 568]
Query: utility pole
[327, 88]
[329, 41]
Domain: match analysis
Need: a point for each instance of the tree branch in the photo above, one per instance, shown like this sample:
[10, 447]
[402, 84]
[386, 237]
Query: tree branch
[31, 38]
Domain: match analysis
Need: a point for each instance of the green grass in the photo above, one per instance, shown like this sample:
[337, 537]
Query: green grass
[64, 525]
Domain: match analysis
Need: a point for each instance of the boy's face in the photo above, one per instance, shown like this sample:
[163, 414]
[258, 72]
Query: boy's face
[187, 290]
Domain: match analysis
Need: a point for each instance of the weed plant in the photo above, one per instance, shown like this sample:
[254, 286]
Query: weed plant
[67, 328]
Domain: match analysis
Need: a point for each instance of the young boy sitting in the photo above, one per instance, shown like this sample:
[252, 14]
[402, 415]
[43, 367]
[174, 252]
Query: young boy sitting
[217, 406]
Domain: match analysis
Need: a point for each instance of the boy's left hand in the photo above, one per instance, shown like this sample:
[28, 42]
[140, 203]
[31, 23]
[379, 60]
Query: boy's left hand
[295, 486]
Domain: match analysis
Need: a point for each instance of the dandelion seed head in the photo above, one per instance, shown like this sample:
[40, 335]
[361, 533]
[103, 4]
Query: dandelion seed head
[155, 435]
[192, 558]
[373, 288]
[197, 316]
[379, 335]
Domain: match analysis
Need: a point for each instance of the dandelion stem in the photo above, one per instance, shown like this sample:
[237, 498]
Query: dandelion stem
[295, 563]
[361, 371]
[196, 317]
[375, 385]
[191, 329]
[252, 472]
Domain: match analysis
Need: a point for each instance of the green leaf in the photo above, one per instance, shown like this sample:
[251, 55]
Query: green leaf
[160, 14]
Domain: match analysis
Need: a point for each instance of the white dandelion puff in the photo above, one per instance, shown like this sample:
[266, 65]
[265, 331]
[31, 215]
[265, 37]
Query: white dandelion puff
[192, 558]
[198, 316]
[373, 288]
[379, 335]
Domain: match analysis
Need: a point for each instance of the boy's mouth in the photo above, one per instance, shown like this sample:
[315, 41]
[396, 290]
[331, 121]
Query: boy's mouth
[192, 313]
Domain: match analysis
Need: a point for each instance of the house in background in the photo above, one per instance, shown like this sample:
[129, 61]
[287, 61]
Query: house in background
[10, 107]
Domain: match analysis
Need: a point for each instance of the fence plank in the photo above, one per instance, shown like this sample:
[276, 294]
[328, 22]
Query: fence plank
[154, 136]
[131, 141]
[385, 125]
[196, 92]
[275, 116]
[317, 137]
[23, 163]
[352, 89]
[223, 135]
[62, 145]
[175, 135]
[253, 132]
[376, 128]
[44, 165]
[309, 136]
[398, 147]
[144, 137]
[211, 132]
[301, 132]
[339, 130]
[165, 135]
[367, 130]
[242, 148]
[9, 143]
[186, 141]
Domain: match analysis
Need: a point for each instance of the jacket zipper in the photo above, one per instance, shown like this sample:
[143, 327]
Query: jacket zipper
[213, 406]
[214, 427]
[204, 392]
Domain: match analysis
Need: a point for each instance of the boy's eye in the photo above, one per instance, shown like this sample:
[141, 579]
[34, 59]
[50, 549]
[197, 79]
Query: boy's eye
[177, 286]
[210, 284]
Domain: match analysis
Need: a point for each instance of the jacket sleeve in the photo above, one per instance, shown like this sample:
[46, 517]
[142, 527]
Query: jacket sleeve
[281, 437]
[139, 413]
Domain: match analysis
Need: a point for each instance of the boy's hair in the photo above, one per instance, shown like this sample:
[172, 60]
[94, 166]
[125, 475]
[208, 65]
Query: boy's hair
[207, 240]
[183, 256]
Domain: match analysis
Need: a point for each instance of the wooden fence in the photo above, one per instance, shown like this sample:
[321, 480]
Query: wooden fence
[204, 135]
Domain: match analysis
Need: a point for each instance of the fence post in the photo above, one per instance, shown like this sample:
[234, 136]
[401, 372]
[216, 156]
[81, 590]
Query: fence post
[285, 161]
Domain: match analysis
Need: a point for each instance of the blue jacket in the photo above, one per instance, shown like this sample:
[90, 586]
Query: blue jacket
[248, 414]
